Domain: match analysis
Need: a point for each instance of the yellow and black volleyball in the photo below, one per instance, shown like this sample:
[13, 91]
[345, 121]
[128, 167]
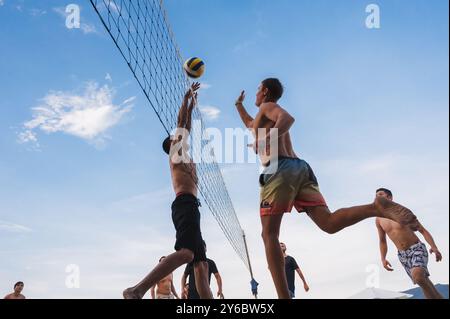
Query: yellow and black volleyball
[194, 67]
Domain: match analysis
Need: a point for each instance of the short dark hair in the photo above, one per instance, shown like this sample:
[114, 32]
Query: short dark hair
[387, 191]
[167, 144]
[18, 283]
[275, 88]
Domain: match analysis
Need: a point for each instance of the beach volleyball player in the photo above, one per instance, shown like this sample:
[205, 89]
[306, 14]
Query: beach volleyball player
[294, 184]
[185, 213]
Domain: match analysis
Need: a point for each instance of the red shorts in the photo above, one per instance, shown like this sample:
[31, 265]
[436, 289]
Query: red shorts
[293, 185]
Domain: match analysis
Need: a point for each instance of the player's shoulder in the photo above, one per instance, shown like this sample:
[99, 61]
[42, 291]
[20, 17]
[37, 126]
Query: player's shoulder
[269, 106]
[210, 261]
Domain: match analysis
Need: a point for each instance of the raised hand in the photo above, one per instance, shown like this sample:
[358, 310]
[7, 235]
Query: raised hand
[195, 87]
[241, 98]
[192, 90]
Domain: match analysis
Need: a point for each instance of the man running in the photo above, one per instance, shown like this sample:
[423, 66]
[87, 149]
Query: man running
[191, 292]
[17, 294]
[165, 288]
[291, 266]
[294, 183]
[412, 252]
[185, 212]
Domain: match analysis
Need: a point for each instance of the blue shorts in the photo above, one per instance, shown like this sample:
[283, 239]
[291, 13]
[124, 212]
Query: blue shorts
[415, 256]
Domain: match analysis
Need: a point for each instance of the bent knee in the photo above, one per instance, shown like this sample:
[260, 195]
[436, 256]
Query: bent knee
[329, 228]
[419, 277]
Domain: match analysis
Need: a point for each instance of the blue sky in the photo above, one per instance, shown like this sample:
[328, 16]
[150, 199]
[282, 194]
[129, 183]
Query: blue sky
[371, 109]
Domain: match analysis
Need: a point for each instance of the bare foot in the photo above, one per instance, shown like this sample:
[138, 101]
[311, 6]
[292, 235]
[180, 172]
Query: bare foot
[396, 212]
[130, 294]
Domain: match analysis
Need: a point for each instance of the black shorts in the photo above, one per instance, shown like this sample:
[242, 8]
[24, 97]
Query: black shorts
[186, 219]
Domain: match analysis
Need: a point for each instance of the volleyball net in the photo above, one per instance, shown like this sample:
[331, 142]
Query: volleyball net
[143, 36]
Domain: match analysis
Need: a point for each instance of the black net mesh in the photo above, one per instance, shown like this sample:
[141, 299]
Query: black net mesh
[141, 32]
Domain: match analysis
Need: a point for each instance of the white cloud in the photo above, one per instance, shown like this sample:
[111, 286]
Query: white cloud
[27, 137]
[210, 112]
[129, 100]
[140, 203]
[88, 28]
[114, 7]
[61, 11]
[243, 46]
[108, 77]
[37, 12]
[13, 228]
[205, 86]
[87, 116]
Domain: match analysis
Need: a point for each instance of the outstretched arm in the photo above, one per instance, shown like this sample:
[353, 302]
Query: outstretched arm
[192, 104]
[429, 239]
[184, 124]
[189, 101]
[245, 117]
[219, 285]
[302, 277]
[383, 246]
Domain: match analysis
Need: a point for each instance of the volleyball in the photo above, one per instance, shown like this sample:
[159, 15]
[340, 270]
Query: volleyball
[194, 67]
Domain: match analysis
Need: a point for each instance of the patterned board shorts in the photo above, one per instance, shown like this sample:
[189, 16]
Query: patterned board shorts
[292, 185]
[415, 256]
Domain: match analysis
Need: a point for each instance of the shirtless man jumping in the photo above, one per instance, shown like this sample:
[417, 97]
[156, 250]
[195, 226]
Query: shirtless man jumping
[165, 288]
[185, 213]
[412, 252]
[294, 183]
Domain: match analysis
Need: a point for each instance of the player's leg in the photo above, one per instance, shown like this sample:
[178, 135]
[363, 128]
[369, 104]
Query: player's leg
[201, 280]
[345, 217]
[420, 277]
[164, 268]
[270, 233]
